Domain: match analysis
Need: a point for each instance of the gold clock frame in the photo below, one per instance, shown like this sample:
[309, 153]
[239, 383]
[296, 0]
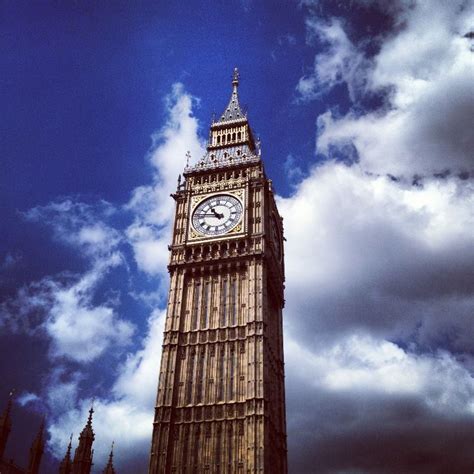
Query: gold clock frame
[238, 230]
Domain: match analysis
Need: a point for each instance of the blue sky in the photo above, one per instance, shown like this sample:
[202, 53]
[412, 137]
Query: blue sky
[364, 111]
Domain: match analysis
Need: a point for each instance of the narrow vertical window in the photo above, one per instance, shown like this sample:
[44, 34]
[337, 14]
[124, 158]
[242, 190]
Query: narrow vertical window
[233, 302]
[220, 395]
[229, 448]
[224, 303]
[196, 450]
[232, 375]
[218, 446]
[205, 305]
[189, 380]
[196, 297]
[200, 377]
[185, 447]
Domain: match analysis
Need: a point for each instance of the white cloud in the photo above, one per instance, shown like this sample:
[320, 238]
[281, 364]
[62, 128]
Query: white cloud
[127, 416]
[379, 265]
[80, 225]
[384, 254]
[361, 364]
[427, 67]
[150, 234]
[340, 63]
[80, 330]
[62, 308]
[27, 397]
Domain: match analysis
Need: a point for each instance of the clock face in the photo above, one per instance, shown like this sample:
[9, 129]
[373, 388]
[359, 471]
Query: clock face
[217, 215]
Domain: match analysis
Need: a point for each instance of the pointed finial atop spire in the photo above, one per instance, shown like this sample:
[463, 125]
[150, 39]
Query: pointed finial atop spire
[91, 412]
[233, 110]
[109, 469]
[36, 450]
[10, 402]
[235, 77]
[66, 464]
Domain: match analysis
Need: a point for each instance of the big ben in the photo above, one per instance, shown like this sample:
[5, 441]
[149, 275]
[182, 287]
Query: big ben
[220, 406]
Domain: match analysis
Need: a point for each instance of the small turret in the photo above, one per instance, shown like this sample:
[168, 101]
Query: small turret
[5, 425]
[66, 464]
[82, 463]
[109, 469]
[36, 451]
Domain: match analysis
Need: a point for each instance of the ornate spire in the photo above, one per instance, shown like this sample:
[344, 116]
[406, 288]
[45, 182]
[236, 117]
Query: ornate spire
[66, 464]
[233, 111]
[36, 451]
[109, 469]
[82, 463]
[231, 142]
[5, 425]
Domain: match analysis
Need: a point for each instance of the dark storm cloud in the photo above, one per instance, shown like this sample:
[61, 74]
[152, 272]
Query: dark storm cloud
[337, 433]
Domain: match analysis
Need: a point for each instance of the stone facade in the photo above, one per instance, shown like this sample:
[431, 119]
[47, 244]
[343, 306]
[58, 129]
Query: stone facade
[220, 405]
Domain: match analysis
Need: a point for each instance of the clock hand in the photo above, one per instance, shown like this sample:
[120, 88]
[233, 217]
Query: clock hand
[216, 214]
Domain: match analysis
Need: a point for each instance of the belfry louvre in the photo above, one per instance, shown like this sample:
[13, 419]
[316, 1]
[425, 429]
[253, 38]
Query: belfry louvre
[220, 406]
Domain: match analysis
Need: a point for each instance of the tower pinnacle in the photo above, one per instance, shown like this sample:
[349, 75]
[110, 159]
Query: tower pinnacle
[5, 425]
[235, 78]
[233, 112]
[109, 469]
[82, 463]
[66, 464]
[36, 451]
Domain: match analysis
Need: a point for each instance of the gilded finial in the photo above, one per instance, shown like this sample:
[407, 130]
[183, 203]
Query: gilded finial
[235, 78]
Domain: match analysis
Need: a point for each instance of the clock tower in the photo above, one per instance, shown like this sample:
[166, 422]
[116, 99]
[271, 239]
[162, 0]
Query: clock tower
[220, 406]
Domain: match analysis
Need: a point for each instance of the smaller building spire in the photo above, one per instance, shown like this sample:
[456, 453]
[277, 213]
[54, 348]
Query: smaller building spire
[36, 451]
[109, 469]
[66, 464]
[6, 424]
[233, 111]
[83, 455]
